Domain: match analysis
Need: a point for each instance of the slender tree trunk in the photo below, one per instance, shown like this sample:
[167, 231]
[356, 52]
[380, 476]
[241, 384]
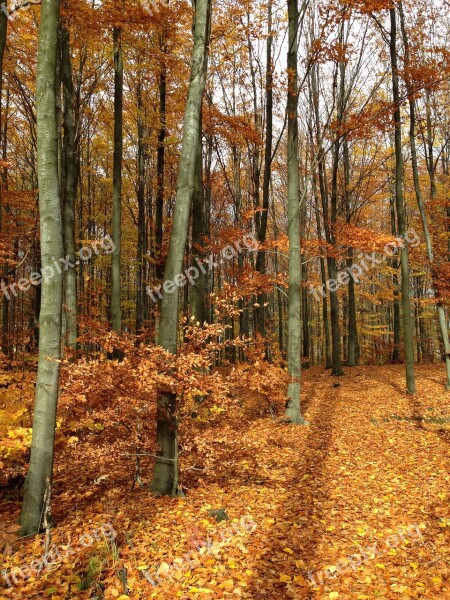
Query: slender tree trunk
[141, 225]
[352, 342]
[262, 219]
[5, 301]
[69, 192]
[161, 160]
[336, 351]
[116, 283]
[401, 213]
[396, 317]
[44, 417]
[420, 201]
[165, 476]
[293, 407]
[199, 290]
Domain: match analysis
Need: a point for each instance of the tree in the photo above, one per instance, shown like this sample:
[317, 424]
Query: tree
[165, 476]
[69, 190]
[293, 411]
[401, 214]
[116, 283]
[39, 475]
[420, 201]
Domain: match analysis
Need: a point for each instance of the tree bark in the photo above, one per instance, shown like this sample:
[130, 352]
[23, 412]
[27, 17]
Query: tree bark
[401, 213]
[44, 416]
[262, 219]
[69, 191]
[161, 160]
[116, 284]
[420, 201]
[165, 476]
[293, 406]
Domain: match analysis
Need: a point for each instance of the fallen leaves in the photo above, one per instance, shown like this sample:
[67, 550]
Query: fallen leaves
[342, 509]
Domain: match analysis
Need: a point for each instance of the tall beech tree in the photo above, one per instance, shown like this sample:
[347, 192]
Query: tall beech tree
[116, 284]
[165, 476]
[69, 190]
[293, 411]
[419, 197]
[39, 474]
[401, 212]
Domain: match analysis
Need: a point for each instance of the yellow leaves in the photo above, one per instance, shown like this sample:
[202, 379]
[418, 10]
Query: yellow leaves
[300, 580]
[288, 551]
[399, 589]
[284, 578]
[163, 569]
[196, 590]
[380, 566]
[333, 595]
[331, 569]
[227, 585]
[72, 440]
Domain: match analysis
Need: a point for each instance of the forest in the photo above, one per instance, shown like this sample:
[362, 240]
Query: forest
[225, 292]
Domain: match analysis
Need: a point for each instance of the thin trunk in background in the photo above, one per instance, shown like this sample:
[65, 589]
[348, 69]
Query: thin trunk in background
[116, 283]
[142, 222]
[161, 158]
[69, 190]
[262, 218]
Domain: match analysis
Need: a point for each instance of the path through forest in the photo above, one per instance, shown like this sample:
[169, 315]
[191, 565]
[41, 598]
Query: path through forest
[353, 506]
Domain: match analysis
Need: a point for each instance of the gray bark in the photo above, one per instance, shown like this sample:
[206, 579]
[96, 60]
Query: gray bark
[69, 191]
[44, 417]
[420, 201]
[401, 214]
[293, 408]
[116, 284]
[165, 476]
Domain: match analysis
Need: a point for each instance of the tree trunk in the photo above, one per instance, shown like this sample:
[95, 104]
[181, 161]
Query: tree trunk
[262, 219]
[420, 202]
[165, 476]
[141, 224]
[116, 284]
[44, 417]
[293, 408]
[161, 159]
[70, 192]
[401, 213]
[5, 301]
[199, 290]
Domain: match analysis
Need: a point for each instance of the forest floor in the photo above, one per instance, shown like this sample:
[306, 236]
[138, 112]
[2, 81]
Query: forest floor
[356, 505]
